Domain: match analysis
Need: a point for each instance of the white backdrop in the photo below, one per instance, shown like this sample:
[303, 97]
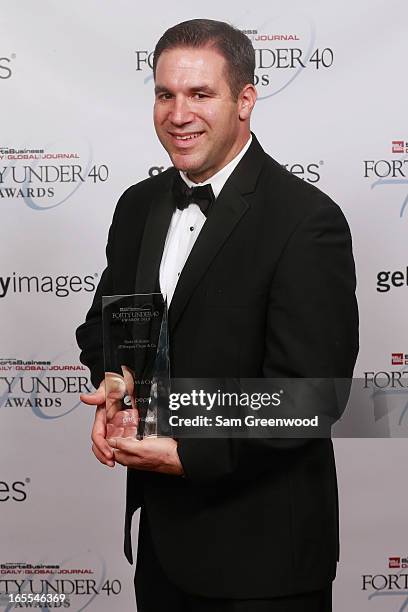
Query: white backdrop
[76, 96]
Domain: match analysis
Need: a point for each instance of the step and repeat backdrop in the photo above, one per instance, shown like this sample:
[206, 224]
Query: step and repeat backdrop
[76, 98]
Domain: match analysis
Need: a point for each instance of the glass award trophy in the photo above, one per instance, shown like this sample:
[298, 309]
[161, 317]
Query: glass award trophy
[137, 367]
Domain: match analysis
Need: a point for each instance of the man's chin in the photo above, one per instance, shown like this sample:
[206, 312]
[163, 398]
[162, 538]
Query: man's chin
[189, 166]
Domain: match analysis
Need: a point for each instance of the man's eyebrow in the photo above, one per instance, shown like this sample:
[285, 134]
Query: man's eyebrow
[204, 88]
[160, 89]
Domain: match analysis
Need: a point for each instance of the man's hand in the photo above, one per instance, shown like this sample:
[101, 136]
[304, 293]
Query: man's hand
[100, 447]
[151, 454]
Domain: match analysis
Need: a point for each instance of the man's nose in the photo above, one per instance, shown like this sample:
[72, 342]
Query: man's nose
[181, 112]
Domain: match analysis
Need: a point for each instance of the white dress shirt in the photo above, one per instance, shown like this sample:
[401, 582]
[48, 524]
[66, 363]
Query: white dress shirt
[185, 225]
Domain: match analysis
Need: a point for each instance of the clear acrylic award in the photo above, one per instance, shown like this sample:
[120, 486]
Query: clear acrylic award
[137, 366]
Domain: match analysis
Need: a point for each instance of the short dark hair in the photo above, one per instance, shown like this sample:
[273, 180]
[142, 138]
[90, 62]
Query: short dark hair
[231, 43]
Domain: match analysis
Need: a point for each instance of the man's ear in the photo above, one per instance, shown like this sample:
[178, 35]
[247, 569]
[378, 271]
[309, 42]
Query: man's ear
[246, 101]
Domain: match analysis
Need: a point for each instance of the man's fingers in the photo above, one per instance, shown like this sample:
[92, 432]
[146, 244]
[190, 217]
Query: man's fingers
[99, 433]
[101, 457]
[151, 454]
[96, 398]
[121, 458]
[99, 425]
[115, 386]
[128, 445]
[102, 445]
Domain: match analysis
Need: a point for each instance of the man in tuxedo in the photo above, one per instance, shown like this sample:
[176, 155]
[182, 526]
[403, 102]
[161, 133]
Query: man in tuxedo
[258, 270]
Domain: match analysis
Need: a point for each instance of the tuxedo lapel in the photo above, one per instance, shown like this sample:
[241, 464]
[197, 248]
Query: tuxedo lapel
[229, 208]
[154, 237]
[227, 212]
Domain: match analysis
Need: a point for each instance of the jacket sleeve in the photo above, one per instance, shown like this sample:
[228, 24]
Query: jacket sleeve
[311, 332]
[89, 334]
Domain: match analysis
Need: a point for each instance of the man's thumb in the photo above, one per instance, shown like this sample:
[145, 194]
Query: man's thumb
[96, 398]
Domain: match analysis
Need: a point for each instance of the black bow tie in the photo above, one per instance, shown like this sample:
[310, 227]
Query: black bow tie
[184, 195]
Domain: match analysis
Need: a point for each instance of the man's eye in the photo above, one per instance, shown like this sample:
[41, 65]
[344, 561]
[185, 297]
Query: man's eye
[164, 96]
[199, 96]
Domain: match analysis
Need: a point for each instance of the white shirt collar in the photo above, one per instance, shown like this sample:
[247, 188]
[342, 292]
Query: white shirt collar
[219, 179]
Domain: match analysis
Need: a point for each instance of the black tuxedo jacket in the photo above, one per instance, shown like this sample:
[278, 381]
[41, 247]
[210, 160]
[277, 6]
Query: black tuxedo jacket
[268, 291]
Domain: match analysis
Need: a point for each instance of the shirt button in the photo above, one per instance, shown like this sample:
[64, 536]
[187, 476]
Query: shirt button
[191, 228]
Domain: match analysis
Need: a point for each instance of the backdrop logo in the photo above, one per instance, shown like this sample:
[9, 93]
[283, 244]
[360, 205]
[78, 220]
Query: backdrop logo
[390, 171]
[6, 63]
[60, 286]
[399, 359]
[37, 365]
[255, 36]
[397, 562]
[72, 583]
[399, 146]
[310, 172]
[155, 170]
[388, 279]
[389, 390]
[285, 46]
[281, 57]
[144, 62]
[48, 387]
[383, 379]
[393, 585]
[45, 177]
[15, 491]
[10, 153]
